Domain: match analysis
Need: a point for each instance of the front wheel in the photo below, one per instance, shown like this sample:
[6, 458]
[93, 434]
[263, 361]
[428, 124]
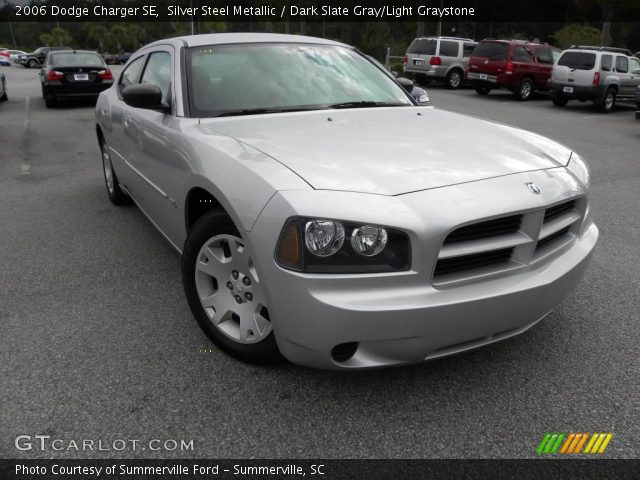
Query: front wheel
[224, 291]
[32, 63]
[116, 195]
[524, 90]
[482, 89]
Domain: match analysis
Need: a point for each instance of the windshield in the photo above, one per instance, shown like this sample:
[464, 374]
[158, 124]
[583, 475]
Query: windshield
[491, 50]
[578, 60]
[263, 78]
[75, 59]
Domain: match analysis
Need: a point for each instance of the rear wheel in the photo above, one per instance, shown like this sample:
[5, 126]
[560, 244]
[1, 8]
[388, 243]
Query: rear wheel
[454, 79]
[559, 101]
[224, 291]
[524, 90]
[482, 89]
[606, 102]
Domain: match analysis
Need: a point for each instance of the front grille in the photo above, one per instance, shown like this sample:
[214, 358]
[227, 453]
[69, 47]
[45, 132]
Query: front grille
[467, 262]
[498, 226]
[551, 238]
[558, 210]
[507, 243]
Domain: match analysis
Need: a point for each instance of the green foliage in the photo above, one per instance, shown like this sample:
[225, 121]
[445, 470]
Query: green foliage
[57, 37]
[576, 34]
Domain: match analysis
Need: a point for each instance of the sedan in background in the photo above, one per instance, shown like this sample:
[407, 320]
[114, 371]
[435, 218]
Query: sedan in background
[5, 58]
[73, 73]
[323, 215]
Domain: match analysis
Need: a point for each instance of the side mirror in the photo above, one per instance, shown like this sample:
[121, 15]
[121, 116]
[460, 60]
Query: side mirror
[143, 95]
[406, 84]
[636, 72]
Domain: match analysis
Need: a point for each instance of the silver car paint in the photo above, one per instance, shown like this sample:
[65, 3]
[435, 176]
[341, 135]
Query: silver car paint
[263, 176]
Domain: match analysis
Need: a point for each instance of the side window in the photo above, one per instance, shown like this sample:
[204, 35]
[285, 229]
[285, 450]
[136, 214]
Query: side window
[449, 49]
[521, 55]
[622, 64]
[131, 73]
[467, 49]
[606, 62]
[543, 55]
[158, 72]
[634, 65]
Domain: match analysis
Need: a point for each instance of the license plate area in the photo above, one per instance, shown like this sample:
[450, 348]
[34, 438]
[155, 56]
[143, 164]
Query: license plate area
[81, 77]
[482, 76]
[567, 89]
[418, 62]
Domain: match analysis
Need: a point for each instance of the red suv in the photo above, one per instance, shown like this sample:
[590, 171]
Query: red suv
[516, 65]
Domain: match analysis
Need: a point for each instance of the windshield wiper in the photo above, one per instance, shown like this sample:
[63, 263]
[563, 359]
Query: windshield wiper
[367, 104]
[258, 111]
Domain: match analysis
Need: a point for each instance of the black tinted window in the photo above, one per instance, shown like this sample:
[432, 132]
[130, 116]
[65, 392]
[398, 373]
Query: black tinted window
[75, 59]
[467, 49]
[578, 60]
[448, 49]
[492, 51]
[520, 54]
[158, 72]
[131, 74]
[622, 65]
[543, 55]
[423, 46]
[606, 62]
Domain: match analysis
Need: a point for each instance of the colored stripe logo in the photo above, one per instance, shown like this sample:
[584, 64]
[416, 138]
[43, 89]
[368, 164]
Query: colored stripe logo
[574, 443]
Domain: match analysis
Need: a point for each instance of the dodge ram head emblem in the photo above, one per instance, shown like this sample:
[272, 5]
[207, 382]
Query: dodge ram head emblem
[533, 188]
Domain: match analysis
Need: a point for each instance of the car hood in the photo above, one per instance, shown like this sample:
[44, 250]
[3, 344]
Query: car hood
[391, 151]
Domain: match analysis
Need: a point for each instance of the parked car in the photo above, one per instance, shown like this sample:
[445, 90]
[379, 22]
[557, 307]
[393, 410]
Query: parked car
[37, 57]
[5, 57]
[322, 215]
[519, 66]
[598, 74]
[439, 58]
[109, 58]
[14, 54]
[122, 58]
[73, 73]
[3, 88]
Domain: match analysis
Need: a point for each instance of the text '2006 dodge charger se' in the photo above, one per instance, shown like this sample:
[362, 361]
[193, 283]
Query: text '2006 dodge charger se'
[323, 215]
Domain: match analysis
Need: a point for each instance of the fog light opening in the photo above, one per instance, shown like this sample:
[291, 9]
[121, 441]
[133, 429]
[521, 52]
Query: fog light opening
[344, 351]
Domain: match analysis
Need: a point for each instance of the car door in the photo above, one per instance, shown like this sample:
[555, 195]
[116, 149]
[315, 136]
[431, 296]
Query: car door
[115, 118]
[544, 59]
[154, 161]
[523, 64]
[634, 76]
[622, 70]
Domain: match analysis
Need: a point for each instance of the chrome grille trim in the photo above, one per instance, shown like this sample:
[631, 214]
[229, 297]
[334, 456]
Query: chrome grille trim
[515, 241]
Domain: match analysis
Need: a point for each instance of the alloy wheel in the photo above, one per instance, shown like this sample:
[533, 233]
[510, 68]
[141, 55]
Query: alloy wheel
[230, 291]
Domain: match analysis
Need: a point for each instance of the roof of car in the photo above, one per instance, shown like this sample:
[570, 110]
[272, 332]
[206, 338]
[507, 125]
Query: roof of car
[224, 38]
[516, 42]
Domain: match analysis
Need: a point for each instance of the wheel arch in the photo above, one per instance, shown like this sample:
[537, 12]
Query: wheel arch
[200, 200]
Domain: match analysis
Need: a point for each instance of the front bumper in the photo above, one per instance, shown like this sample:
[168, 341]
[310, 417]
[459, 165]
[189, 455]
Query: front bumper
[401, 318]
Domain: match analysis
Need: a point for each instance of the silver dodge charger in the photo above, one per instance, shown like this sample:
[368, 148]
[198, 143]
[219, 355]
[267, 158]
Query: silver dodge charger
[324, 216]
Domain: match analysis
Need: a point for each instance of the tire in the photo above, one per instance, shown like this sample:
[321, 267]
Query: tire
[50, 100]
[559, 101]
[32, 63]
[115, 193]
[524, 90]
[482, 89]
[454, 79]
[233, 313]
[607, 101]
[4, 96]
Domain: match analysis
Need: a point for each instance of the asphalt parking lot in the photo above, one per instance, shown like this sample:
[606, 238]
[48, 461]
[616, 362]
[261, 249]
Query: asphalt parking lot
[98, 341]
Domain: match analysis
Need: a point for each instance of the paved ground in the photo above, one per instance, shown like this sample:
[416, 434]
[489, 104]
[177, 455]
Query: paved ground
[97, 341]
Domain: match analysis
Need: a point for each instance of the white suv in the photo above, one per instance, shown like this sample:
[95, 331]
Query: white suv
[599, 74]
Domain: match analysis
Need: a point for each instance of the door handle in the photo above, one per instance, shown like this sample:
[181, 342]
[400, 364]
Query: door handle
[127, 121]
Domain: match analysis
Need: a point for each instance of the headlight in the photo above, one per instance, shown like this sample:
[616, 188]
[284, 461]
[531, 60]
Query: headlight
[580, 169]
[423, 99]
[315, 245]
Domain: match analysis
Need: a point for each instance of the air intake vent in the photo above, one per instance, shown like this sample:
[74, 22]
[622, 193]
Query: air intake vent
[456, 264]
[499, 226]
[558, 210]
[552, 237]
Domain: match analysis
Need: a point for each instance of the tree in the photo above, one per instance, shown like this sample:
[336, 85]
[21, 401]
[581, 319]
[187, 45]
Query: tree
[58, 36]
[101, 36]
[576, 34]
